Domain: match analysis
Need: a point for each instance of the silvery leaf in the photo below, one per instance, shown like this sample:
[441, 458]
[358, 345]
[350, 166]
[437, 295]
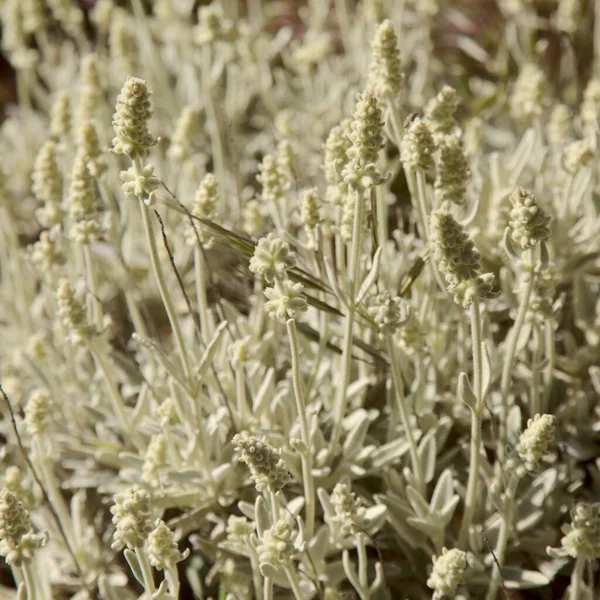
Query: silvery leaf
[427, 452]
[134, 565]
[417, 501]
[442, 493]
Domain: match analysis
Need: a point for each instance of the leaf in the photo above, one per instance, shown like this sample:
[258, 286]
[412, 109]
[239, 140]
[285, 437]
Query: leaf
[134, 564]
[262, 516]
[389, 453]
[442, 493]
[425, 525]
[427, 452]
[465, 391]
[522, 579]
[417, 501]
[448, 509]
[369, 280]
[486, 375]
[355, 439]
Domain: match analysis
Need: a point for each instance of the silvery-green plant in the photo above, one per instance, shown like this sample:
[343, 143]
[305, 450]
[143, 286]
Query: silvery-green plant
[314, 315]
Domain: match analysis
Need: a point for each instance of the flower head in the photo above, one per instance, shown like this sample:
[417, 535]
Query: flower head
[132, 519]
[131, 119]
[366, 129]
[268, 469]
[535, 440]
[447, 572]
[417, 147]
[272, 258]
[529, 224]
[385, 73]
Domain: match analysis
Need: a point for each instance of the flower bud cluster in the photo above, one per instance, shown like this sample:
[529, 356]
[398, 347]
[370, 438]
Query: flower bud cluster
[204, 205]
[388, 313]
[72, 314]
[18, 541]
[239, 528]
[453, 173]
[541, 302]
[155, 459]
[528, 224]
[275, 548]
[527, 100]
[583, 534]
[560, 125]
[385, 74]
[89, 146]
[447, 572]
[417, 147]
[360, 172]
[46, 253]
[268, 469]
[577, 154]
[458, 259]
[132, 519]
[182, 142]
[37, 412]
[83, 206]
[162, 548]
[535, 440]
[47, 185]
[91, 97]
[273, 180]
[131, 119]
[60, 118]
[335, 152]
[350, 514]
[439, 113]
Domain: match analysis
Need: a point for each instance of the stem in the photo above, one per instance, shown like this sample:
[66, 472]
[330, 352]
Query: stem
[164, 290]
[306, 454]
[511, 347]
[403, 409]
[294, 582]
[113, 392]
[549, 342]
[91, 273]
[29, 577]
[240, 393]
[361, 548]
[340, 396]
[268, 589]
[149, 586]
[476, 420]
[503, 535]
[206, 324]
[577, 579]
[535, 402]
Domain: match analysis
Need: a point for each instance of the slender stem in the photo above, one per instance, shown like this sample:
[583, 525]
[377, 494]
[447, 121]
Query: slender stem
[93, 285]
[240, 393]
[404, 413]
[476, 421]
[306, 454]
[275, 513]
[199, 271]
[268, 589]
[577, 579]
[29, 577]
[535, 401]
[423, 201]
[56, 499]
[113, 392]
[550, 344]
[340, 396]
[511, 347]
[361, 548]
[294, 582]
[503, 535]
[164, 290]
[149, 586]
